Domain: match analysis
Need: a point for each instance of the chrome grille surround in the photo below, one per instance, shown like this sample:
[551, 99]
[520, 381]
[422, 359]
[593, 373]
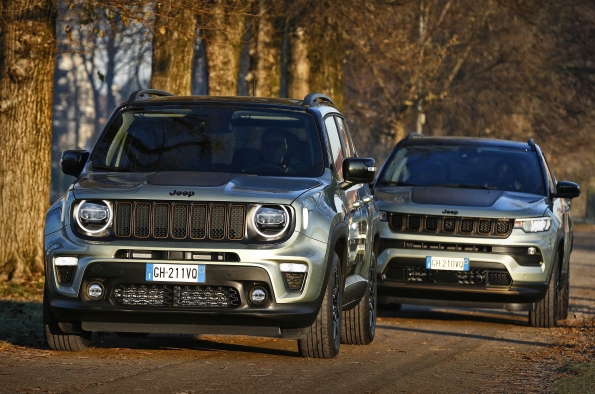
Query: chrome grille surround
[449, 225]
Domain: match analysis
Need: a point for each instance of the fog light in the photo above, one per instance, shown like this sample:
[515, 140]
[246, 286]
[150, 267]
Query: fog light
[95, 291]
[531, 250]
[258, 295]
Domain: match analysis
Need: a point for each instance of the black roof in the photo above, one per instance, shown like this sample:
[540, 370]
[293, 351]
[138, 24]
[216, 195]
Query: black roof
[468, 141]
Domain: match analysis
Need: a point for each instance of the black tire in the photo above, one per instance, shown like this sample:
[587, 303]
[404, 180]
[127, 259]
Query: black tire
[55, 337]
[545, 314]
[563, 299]
[323, 338]
[359, 323]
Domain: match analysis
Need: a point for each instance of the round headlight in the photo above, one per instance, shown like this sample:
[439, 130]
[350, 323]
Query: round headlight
[93, 217]
[270, 221]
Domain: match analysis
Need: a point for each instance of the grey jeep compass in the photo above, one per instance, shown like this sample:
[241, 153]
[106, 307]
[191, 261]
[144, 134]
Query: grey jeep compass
[477, 223]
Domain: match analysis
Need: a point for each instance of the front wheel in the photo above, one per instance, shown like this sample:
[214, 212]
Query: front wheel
[323, 337]
[359, 323]
[55, 337]
[545, 314]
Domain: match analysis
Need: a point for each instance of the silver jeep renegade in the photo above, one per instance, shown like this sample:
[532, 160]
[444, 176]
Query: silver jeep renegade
[215, 215]
[474, 223]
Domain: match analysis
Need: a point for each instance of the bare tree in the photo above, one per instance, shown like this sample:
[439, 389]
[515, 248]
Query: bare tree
[223, 26]
[173, 46]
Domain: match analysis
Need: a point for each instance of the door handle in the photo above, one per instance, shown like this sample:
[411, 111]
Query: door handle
[368, 199]
[357, 204]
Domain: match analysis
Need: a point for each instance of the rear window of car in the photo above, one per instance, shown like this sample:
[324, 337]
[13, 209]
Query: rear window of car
[464, 167]
[211, 138]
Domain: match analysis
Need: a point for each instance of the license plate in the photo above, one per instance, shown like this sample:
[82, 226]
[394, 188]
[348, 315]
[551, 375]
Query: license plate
[191, 273]
[447, 263]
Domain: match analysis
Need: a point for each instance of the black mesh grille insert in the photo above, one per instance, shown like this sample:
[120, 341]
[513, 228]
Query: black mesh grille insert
[419, 274]
[177, 296]
[236, 222]
[217, 222]
[123, 215]
[449, 225]
[499, 279]
[414, 222]
[141, 219]
[161, 221]
[485, 226]
[397, 220]
[179, 221]
[502, 226]
[432, 223]
[198, 229]
[466, 225]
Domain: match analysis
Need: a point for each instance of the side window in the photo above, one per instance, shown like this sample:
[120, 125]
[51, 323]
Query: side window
[346, 137]
[335, 143]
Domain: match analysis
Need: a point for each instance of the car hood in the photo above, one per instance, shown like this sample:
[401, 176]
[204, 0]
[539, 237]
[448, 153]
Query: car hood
[460, 202]
[191, 186]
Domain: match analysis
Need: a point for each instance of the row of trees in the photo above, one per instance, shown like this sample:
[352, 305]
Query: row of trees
[522, 69]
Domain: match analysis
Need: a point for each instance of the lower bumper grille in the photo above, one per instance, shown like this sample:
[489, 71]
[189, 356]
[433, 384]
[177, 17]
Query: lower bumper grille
[177, 296]
[474, 277]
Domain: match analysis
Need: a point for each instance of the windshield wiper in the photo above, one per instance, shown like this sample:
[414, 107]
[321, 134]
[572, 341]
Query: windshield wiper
[462, 186]
[393, 183]
[110, 168]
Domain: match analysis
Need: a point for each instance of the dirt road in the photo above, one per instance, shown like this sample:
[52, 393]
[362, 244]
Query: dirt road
[418, 349]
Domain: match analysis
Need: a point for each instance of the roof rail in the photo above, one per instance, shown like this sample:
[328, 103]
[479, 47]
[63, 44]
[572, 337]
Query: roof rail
[411, 136]
[138, 93]
[313, 97]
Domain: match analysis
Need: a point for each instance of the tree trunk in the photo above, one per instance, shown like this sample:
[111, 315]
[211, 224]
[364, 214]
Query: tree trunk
[223, 29]
[27, 56]
[173, 47]
[316, 61]
[269, 36]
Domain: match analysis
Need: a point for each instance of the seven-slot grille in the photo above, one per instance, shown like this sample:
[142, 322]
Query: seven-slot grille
[180, 220]
[450, 225]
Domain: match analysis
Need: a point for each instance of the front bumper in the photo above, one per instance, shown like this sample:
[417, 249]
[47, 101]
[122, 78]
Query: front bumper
[105, 263]
[496, 277]
[164, 307]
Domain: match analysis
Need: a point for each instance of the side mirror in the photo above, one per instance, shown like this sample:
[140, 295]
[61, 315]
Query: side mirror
[358, 170]
[73, 161]
[565, 189]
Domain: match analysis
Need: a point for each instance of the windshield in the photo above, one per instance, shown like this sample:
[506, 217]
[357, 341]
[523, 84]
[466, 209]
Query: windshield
[211, 138]
[464, 167]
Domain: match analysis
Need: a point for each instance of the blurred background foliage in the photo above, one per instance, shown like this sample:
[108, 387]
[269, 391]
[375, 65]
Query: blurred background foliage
[498, 69]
